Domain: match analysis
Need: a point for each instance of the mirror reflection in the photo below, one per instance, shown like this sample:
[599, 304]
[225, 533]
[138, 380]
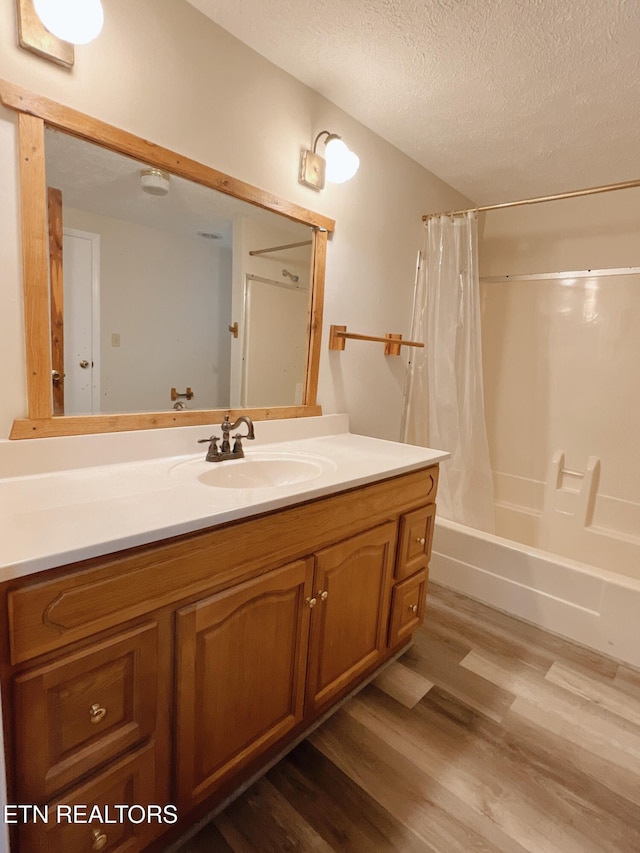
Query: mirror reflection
[167, 294]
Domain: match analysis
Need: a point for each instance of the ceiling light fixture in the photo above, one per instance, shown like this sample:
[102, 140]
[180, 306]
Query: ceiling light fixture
[338, 165]
[74, 21]
[154, 181]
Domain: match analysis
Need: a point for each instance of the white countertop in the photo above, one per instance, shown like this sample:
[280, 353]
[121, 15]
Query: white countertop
[58, 516]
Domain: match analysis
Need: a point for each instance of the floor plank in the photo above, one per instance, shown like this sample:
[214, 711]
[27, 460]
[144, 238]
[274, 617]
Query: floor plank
[403, 684]
[339, 809]
[488, 736]
[594, 691]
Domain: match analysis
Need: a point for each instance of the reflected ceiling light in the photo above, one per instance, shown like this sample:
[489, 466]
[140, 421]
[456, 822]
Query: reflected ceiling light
[74, 21]
[154, 181]
[338, 165]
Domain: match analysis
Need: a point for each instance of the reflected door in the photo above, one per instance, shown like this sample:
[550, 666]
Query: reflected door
[81, 253]
[275, 343]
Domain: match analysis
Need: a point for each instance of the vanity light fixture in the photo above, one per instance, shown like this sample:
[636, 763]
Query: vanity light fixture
[73, 21]
[36, 38]
[338, 165]
[154, 181]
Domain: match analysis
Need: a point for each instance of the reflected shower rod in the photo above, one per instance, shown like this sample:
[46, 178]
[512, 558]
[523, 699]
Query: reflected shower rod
[279, 248]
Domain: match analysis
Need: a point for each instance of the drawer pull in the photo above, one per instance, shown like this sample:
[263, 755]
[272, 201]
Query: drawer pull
[311, 602]
[413, 608]
[97, 714]
[99, 839]
[323, 595]
[421, 541]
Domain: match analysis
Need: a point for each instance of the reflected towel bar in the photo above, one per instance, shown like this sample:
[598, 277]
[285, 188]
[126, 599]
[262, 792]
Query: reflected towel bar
[338, 336]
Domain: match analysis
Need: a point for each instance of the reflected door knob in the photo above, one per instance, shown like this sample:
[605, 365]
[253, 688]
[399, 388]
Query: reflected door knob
[84, 364]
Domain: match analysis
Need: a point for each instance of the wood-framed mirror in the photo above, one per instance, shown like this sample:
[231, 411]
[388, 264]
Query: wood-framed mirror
[269, 258]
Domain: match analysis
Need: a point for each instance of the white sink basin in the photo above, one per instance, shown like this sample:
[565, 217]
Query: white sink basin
[258, 470]
[260, 473]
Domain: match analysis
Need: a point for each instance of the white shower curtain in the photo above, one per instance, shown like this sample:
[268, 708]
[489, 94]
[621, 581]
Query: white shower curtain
[444, 406]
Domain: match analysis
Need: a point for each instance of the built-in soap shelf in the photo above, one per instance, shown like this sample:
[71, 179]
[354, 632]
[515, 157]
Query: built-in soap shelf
[571, 492]
[338, 337]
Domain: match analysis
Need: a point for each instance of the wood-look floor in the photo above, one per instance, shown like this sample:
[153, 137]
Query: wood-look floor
[487, 735]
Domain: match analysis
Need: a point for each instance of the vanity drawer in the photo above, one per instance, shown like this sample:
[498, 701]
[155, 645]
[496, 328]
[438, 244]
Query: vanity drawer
[414, 541]
[131, 781]
[407, 607]
[84, 709]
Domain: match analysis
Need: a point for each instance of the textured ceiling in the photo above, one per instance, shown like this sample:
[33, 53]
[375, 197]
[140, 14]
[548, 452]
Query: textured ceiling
[100, 181]
[502, 99]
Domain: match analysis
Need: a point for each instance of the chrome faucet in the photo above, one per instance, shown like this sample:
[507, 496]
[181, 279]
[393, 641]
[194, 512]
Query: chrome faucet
[226, 452]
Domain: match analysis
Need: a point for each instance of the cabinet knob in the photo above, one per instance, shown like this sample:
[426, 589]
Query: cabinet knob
[421, 541]
[99, 839]
[97, 714]
[311, 602]
[413, 608]
[323, 594]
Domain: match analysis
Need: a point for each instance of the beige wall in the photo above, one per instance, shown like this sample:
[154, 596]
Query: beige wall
[163, 71]
[591, 232]
[562, 357]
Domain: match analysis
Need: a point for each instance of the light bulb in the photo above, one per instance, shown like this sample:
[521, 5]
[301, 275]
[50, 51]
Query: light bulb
[342, 164]
[75, 21]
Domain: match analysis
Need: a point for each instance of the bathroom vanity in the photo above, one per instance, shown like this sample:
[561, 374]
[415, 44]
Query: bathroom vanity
[171, 662]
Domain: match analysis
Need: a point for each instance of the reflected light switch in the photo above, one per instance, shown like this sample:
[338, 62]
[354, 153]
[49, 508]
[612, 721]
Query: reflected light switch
[115, 339]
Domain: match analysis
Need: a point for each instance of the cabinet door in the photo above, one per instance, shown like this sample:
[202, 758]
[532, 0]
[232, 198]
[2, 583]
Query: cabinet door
[241, 657]
[349, 622]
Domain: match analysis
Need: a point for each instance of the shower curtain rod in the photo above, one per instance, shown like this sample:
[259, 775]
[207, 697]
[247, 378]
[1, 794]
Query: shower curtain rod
[605, 188]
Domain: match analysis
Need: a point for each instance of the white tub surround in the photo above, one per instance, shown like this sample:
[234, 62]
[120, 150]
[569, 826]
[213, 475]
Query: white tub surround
[67, 499]
[592, 606]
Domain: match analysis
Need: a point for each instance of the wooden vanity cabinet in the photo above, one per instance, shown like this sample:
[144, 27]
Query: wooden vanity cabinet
[208, 655]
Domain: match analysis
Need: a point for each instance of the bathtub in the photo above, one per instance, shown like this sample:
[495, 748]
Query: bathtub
[589, 605]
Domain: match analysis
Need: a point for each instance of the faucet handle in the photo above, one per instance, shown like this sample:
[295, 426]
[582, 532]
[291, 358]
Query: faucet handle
[213, 453]
[238, 449]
